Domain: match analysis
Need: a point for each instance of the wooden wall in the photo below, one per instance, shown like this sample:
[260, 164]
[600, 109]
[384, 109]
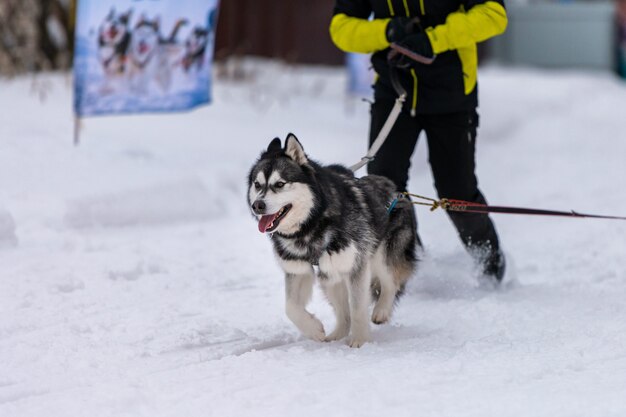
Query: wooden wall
[293, 30]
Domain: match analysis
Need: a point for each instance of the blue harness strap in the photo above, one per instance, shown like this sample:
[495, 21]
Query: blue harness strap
[393, 203]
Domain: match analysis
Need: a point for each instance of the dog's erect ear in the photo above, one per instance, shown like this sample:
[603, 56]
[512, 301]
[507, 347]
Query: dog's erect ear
[294, 150]
[111, 14]
[275, 146]
[125, 18]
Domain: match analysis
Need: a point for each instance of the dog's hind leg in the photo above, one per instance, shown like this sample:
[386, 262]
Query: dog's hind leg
[384, 305]
[387, 286]
[360, 297]
[299, 288]
[337, 295]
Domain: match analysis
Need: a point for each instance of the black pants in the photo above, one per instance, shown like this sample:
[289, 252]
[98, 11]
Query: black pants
[451, 148]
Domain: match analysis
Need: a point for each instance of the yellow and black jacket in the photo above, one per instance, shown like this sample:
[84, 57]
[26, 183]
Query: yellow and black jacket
[453, 28]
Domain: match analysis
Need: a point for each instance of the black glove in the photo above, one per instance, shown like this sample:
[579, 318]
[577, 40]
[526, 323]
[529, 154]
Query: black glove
[399, 28]
[418, 43]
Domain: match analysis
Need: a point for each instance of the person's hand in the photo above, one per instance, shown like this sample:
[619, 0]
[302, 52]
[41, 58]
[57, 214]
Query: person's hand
[399, 28]
[418, 43]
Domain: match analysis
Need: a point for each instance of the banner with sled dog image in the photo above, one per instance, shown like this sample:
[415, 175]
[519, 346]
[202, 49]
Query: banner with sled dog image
[137, 56]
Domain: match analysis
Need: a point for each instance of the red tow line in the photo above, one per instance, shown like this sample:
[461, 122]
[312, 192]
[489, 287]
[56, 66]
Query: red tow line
[470, 207]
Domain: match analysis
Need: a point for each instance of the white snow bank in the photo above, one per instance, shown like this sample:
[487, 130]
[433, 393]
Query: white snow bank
[175, 202]
[7, 230]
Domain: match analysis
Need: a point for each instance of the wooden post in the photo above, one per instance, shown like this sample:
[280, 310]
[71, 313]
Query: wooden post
[77, 126]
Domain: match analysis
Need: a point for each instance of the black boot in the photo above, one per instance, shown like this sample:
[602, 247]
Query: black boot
[494, 266]
[481, 240]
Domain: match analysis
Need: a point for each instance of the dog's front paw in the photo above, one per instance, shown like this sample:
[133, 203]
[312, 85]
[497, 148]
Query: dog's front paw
[357, 341]
[314, 329]
[380, 315]
[337, 334]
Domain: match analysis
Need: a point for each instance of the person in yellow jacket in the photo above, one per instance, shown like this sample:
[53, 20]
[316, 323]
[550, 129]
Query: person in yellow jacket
[442, 96]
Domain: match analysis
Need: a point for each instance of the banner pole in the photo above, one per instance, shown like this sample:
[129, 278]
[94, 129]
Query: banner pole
[76, 130]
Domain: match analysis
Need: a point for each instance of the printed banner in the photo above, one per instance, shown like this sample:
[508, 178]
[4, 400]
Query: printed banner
[360, 75]
[137, 56]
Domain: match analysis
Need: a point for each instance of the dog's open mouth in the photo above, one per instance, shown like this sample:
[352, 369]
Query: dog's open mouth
[143, 47]
[269, 222]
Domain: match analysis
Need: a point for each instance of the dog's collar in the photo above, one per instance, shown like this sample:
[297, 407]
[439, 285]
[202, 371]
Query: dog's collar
[391, 205]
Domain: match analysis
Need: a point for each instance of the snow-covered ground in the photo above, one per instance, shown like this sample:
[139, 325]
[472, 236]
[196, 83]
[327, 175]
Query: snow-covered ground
[134, 282]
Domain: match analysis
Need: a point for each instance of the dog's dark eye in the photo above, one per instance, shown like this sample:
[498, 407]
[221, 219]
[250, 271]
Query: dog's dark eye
[257, 185]
[279, 184]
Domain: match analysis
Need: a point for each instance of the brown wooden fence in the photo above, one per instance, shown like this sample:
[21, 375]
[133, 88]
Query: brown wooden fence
[293, 30]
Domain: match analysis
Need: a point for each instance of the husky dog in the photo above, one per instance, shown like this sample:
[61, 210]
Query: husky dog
[323, 216]
[113, 42]
[145, 41]
[195, 48]
[150, 54]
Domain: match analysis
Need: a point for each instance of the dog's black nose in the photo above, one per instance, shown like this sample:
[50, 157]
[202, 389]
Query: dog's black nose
[258, 206]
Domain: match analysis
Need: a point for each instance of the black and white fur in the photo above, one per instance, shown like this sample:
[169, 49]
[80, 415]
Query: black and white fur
[324, 216]
[195, 49]
[114, 37]
[151, 55]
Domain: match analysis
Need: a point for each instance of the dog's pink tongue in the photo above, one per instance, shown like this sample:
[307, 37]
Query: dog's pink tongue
[265, 222]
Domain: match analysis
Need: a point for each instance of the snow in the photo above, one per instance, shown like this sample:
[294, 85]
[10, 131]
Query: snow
[135, 282]
[179, 201]
[7, 229]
